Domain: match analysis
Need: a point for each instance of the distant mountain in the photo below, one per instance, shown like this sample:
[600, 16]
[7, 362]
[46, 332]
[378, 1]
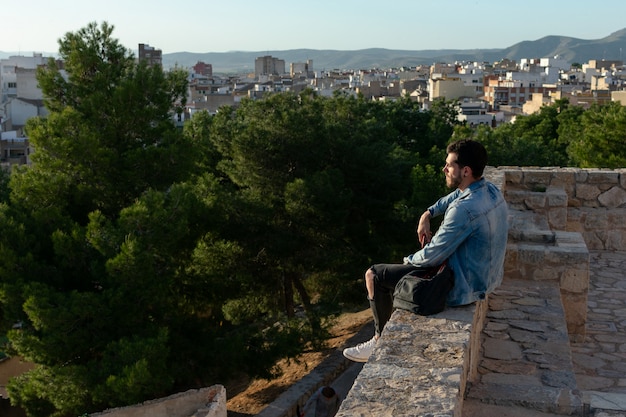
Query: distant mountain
[573, 50]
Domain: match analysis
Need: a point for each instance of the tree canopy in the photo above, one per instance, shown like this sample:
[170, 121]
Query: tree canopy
[560, 134]
[140, 259]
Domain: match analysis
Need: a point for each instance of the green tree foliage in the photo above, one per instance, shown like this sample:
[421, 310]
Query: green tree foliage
[110, 127]
[139, 259]
[559, 135]
[532, 140]
[597, 139]
[322, 176]
[91, 295]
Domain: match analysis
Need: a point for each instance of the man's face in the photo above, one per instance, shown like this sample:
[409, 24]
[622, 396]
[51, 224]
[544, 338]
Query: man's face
[452, 171]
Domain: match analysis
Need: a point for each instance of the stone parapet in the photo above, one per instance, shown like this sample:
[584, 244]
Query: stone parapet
[595, 200]
[526, 359]
[558, 256]
[420, 366]
[205, 402]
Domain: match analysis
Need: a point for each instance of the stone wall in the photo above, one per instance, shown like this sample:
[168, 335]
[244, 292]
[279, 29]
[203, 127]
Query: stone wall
[421, 366]
[591, 202]
[558, 256]
[546, 243]
[205, 402]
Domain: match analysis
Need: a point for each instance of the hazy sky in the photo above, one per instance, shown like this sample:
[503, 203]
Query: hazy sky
[255, 25]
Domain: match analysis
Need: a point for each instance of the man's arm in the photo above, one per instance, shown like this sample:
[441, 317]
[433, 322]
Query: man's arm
[451, 234]
[423, 228]
[424, 233]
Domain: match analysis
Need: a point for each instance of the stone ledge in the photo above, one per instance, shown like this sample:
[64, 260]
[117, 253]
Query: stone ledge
[205, 402]
[420, 366]
[559, 256]
[526, 359]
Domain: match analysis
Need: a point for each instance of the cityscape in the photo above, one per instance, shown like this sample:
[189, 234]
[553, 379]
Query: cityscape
[488, 93]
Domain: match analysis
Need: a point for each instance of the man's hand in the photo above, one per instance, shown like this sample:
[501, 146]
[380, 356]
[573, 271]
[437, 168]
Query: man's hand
[423, 229]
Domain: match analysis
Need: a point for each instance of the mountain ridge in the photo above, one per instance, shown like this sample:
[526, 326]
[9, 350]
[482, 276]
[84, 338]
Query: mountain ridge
[573, 50]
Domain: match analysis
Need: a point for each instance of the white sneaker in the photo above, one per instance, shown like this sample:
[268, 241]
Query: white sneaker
[361, 352]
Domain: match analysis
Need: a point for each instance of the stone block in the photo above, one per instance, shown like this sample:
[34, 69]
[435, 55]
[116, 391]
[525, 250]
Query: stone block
[598, 221]
[603, 177]
[565, 179]
[557, 197]
[513, 176]
[575, 307]
[581, 176]
[617, 218]
[537, 177]
[616, 240]
[575, 280]
[622, 177]
[613, 198]
[587, 191]
[516, 198]
[544, 274]
[557, 218]
[592, 240]
[535, 200]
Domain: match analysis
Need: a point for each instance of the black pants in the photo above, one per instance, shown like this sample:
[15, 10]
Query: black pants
[386, 276]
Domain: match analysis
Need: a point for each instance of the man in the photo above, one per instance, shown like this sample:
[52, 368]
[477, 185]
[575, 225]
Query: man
[472, 238]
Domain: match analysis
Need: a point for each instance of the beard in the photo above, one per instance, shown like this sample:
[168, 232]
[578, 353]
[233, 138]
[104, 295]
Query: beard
[453, 182]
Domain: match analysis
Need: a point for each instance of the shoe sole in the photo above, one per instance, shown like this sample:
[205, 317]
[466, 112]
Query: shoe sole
[354, 358]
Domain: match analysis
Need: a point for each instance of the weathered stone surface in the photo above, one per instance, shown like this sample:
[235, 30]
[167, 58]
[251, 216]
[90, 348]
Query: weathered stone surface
[209, 402]
[418, 367]
[507, 367]
[613, 198]
[530, 325]
[506, 314]
[575, 280]
[559, 379]
[533, 177]
[587, 191]
[535, 201]
[598, 221]
[603, 177]
[501, 349]
[587, 361]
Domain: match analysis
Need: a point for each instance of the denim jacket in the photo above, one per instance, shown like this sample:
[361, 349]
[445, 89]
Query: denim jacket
[472, 237]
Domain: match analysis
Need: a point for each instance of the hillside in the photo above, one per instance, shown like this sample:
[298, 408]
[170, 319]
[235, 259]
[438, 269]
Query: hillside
[573, 50]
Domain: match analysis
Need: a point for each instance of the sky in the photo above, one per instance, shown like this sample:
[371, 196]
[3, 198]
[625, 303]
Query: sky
[257, 26]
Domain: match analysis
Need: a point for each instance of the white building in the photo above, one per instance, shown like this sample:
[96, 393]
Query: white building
[20, 95]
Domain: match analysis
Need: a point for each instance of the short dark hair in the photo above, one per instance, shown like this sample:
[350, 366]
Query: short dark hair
[470, 154]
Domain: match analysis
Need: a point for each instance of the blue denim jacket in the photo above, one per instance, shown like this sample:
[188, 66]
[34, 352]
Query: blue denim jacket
[472, 237]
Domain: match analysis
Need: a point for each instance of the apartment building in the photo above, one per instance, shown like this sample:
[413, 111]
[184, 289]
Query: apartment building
[304, 69]
[268, 65]
[511, 92]
[20, 99]
[203, 69]
[14, 150]
[150, 55]
[451, 88]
